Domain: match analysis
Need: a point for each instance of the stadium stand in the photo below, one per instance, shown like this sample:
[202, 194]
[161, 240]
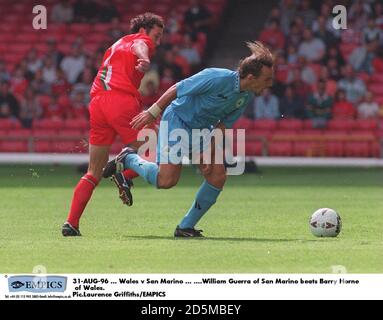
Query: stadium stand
[50, 115]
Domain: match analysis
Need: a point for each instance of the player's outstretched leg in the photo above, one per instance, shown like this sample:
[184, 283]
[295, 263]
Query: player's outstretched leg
[128, 159]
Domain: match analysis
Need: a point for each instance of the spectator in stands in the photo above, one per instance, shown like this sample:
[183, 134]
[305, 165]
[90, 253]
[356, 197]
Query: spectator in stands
[333, 69]
[371, 32]
[84, 85]
[307, 73]
[33, 62]
[275, 14]
[77, 109]
[377, 62]
[54, 110]
[39, 85]
[282, 69]
[18, 82]
[378, 14]
[368, 109]
[342, 108]
[292, 55]
[4, 74]
[62, 12]
[168, 62]
[53, 52]
[30, 108]
[167, 79]
[61, 86]
[294, 36]
[313, 49]
[8, 102]
[266, 106]
[273, 36]
[307, 13]
[288, 10]
[5, 111]
[174, 22]
[362, 57]
[73, 64]
[151, 95]
[319, 105]
[353, 86]
[321, 32]
[85, 11]
[359, 12]
[331, 84]
[197, 18]
[107, 11]
[115, 32]
[302, 89]
[49, 71]
[334, 53]
[326, 12]
[189, 52]
[291, 105]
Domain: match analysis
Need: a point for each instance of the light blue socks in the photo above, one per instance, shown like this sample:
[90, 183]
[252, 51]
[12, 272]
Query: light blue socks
[206, 196]
[147, 170]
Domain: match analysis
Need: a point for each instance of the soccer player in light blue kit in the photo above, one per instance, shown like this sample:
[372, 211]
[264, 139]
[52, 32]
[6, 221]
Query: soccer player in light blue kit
[212, 98]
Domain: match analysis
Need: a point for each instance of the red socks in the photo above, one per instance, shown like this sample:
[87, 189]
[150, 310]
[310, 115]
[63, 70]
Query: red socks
[81, 196]
[129, 174]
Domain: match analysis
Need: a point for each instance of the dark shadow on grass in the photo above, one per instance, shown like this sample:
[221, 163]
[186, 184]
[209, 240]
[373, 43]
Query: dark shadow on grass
[218, 239]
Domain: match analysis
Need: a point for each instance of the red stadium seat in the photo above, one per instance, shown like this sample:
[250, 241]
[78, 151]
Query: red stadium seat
[306, 148]
[243, 123]
[280, 148]
[334, 149]
[13, 146]
[9, 124]
[265, 124]
[253, 148]
[341, 124]
[376, 88]
[290, 124]
[44, 133]
[81, 124]
[366, 124]
[357, 149]
[54, 124]
[255, 133]
[42, 146]
[376, 149]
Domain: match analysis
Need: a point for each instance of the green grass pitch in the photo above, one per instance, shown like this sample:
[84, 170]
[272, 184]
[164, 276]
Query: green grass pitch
[259, 224]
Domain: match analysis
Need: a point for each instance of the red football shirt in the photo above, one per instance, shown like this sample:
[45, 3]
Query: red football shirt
[117, 71]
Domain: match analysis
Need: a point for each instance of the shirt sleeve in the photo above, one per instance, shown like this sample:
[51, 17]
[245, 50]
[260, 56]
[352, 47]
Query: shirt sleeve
[200, 83]
[149, 42]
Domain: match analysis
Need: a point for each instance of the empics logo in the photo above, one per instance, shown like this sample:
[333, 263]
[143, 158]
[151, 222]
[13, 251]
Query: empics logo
[37, 284]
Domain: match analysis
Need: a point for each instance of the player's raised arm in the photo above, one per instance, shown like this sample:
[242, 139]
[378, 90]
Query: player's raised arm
[141, 50]
[149, 116]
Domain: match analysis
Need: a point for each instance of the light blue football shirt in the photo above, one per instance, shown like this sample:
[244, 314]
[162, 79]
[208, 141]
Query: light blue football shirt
[208, 97]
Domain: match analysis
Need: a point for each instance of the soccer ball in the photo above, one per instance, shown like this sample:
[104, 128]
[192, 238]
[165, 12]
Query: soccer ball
[325, 222]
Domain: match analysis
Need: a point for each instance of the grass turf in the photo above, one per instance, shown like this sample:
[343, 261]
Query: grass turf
[259, 224]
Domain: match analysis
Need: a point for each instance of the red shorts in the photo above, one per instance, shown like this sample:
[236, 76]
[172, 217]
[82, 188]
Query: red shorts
[110, 115]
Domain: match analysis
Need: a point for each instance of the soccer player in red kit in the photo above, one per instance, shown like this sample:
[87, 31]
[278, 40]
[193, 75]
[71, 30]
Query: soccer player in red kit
[115, 102]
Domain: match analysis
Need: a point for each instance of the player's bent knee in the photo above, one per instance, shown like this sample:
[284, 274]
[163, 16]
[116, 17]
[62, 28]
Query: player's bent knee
[166, 183]
[217, 179]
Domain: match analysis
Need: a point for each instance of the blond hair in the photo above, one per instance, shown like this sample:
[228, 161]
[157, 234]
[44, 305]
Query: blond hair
[261, 56]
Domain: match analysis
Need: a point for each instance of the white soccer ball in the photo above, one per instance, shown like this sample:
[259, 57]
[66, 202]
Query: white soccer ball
[325, 222]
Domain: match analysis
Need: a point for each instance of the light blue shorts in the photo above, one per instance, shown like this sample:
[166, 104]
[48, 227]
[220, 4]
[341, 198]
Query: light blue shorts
[177, 140]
